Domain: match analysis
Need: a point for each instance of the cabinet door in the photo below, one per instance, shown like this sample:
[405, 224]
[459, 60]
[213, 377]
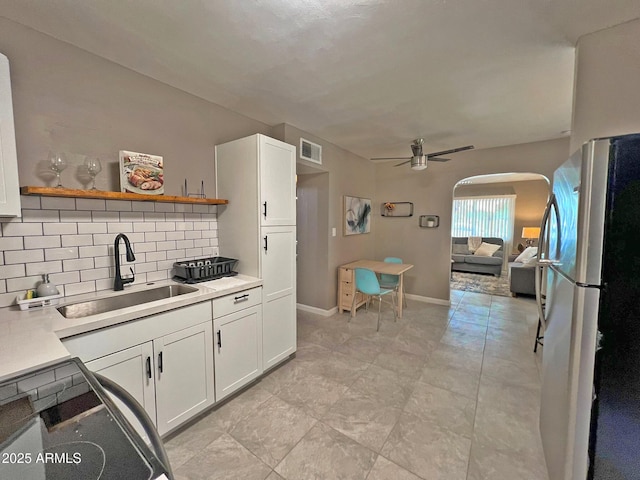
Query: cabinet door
[132, 369]
[237, 350]
[277, 182]
[9, 185]
[278, 293]
[184, 375]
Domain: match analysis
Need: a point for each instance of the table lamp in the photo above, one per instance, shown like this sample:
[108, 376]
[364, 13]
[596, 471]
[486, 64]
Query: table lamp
[530, 234]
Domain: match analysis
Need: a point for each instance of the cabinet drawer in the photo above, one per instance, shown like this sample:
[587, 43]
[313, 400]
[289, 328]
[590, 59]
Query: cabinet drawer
[345, 275]
[237, 301]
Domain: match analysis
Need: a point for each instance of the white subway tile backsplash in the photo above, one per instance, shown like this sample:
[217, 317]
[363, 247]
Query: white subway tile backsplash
[119, 205]
[12, 243]
[119, 227]
[165, 226]
[90, 204]
[72, 240]
[105, 216]
[30, 201]
[60, 228]
[155, 236]
[137, 206]
[44, 267]
[16, 229]
[64, 278]
[134, 217]
[77, 240]
[179, 235]
[95, 251]
[58, 203]
[201, 208]
[194, 252]
[169, 245]
[9, 271]
[61, 253]
[165, 207]
[23, 256]
[79, 216]
[78, 264]
[51, 241]
[154, 217]
[22, 283]
[94, 274]
[35, 381]
[29, 216]
[144, 226]
[92, 228]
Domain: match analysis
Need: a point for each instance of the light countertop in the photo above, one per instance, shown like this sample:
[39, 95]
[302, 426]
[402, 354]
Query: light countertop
[31, 339]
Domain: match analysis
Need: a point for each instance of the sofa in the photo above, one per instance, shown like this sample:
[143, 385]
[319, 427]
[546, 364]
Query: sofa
[463, 260]
[522, 272]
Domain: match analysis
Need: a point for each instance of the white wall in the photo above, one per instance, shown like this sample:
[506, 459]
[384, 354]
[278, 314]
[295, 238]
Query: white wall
[607, 89]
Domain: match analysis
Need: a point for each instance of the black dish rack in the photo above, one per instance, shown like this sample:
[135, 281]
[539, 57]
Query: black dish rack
[203, 269]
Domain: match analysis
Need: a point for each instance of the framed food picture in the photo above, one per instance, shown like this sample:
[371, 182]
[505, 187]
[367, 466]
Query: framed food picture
[141, 173]
[357, 215]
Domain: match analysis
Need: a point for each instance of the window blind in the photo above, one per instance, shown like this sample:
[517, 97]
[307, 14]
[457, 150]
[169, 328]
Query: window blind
[484, 217]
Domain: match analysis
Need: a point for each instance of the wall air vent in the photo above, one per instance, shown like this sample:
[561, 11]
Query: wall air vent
[310, 151]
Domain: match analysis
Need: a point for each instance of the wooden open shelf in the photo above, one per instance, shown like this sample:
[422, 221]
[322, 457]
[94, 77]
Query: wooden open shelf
[73, 193]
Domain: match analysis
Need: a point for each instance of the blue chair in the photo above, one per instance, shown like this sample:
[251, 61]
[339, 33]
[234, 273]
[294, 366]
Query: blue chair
[367, 283]
[392, 281]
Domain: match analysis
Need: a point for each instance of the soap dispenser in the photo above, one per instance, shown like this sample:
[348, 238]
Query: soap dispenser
[46, 288]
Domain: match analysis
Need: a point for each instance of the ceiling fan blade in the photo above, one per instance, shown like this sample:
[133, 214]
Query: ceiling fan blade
[403, 163]
[439, 159]
[391, 158]
[453, 150]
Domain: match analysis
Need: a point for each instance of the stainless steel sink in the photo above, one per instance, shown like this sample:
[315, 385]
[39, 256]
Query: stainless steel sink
[109, 304]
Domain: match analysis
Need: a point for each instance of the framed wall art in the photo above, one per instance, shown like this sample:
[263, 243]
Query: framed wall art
[357, 215]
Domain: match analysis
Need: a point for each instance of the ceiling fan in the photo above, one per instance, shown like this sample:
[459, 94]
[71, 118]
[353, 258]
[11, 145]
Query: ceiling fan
[419, 159]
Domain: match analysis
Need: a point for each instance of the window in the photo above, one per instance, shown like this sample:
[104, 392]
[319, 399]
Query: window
[483, 217]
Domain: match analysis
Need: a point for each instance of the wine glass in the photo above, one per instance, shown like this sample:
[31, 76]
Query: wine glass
[57, 163]
[94, 167]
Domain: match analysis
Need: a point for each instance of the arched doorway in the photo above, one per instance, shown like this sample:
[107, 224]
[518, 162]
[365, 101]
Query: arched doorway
[503, 210]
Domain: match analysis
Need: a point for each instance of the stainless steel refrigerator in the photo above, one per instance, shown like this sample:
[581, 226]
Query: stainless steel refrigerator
[588, 289]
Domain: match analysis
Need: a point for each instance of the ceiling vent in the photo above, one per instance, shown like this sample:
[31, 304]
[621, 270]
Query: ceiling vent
[310, 151]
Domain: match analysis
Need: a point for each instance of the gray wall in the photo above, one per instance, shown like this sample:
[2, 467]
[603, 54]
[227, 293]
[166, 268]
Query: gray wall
[68, 99]
[607, 97]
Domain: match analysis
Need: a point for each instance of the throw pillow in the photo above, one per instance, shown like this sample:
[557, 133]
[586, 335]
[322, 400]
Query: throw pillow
[486, 249]
[460, 249]
[528, 253]
[531, 262]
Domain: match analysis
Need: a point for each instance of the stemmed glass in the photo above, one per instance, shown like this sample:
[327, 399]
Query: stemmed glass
[57, 163]
[94, 168]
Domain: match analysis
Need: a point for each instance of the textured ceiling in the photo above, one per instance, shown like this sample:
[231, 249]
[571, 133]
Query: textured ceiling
[367, 75]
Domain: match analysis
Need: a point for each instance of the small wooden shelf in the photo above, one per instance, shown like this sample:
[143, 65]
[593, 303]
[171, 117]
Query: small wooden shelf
[100, 194]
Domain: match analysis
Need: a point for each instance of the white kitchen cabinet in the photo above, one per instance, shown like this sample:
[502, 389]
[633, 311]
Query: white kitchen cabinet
[237, 350]
[132, 369]
[175, 346]
[184, 375]
[279, 306]
[258, 227]
[9, 185]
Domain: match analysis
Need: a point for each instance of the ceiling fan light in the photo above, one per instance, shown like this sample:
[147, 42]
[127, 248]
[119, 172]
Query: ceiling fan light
[418, 162]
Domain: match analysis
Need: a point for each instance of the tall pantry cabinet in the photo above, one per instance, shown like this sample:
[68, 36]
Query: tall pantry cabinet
[258, 227]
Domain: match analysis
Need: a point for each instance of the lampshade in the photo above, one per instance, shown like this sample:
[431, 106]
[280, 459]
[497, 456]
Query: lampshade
[530, 232]
[418, 162]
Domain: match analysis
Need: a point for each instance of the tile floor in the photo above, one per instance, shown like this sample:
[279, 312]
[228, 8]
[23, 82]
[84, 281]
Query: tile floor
[445, 393]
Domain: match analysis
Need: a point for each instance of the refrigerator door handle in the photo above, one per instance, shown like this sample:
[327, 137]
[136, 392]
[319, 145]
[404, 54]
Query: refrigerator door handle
[543, 262]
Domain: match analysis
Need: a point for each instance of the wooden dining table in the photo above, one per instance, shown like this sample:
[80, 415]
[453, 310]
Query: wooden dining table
[387, 268]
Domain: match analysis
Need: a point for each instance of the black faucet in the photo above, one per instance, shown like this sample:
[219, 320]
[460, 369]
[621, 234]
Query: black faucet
[119, 282]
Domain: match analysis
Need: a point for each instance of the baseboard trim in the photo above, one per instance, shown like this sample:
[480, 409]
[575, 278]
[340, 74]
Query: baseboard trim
[420, 298]
[316, 310]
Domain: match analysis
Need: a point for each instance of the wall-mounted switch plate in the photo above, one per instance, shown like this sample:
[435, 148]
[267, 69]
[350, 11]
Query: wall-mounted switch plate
[333, 232]
[216, 251]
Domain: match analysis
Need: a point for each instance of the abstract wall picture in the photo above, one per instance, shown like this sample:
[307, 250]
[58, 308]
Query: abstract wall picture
[357, 215]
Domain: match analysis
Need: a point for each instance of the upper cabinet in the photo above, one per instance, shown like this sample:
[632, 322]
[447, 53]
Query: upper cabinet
[277, 182]
[9, 185]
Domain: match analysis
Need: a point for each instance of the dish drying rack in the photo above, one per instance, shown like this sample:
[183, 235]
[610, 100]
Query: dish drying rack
[204, 269]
